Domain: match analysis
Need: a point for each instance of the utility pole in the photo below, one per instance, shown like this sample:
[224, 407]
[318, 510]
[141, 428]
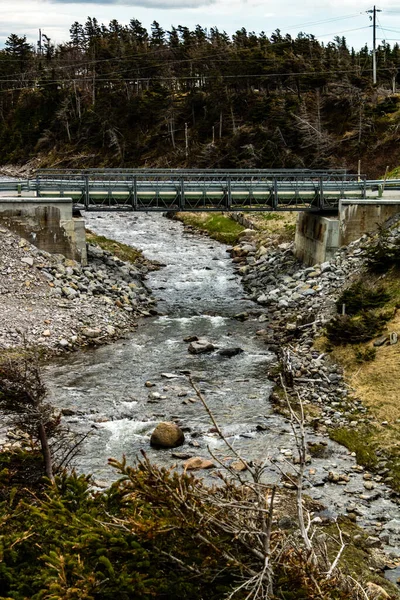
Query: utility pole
[374, 11]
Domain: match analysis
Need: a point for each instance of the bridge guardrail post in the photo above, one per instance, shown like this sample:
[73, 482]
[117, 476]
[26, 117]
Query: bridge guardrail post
[37, 186]
[229, 193]
[87, 192]
[182, 194]
[275, 197]
[321, 193]
[364, 191]
[134, 192]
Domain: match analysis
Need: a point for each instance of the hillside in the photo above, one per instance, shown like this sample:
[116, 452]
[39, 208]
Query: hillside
[122, 96]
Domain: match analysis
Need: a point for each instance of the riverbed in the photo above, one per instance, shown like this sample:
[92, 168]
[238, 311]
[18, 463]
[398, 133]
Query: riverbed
[199, 294]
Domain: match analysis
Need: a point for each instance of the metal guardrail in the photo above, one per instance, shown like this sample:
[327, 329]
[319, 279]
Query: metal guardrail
[194, 189]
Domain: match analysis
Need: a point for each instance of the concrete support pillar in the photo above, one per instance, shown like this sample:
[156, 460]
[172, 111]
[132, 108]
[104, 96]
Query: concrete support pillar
[47, 223]
[317, 238]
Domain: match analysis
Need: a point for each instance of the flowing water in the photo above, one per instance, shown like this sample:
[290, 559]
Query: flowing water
[198, 294]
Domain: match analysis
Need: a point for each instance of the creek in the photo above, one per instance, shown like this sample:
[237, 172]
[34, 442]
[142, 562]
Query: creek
[198, 293]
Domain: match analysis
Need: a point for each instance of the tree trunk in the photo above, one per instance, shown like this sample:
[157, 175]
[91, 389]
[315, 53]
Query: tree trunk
[48, 463]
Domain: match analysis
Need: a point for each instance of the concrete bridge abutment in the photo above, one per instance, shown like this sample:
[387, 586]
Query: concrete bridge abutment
[318, 236]
[48, 223]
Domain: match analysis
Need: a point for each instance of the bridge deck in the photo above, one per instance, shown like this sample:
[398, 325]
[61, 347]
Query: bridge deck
[195, 190]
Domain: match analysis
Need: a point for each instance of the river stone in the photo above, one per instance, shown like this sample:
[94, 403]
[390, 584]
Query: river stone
[167, 435]
[91, 332]
[229, 352]
[197, 462]
[200, 347]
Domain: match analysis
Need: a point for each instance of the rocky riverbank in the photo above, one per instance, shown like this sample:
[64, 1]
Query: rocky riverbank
[55, 304]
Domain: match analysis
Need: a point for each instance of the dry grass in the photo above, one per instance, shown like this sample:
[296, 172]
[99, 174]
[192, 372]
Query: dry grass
[377, 382]
[274, 227]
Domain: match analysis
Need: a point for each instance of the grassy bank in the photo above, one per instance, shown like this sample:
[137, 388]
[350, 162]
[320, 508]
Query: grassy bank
[373, 373]
[218, 226]
[122, 251]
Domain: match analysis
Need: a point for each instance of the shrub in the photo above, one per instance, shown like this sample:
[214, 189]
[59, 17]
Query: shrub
[359, 297]
[346, 329]
[384, 253]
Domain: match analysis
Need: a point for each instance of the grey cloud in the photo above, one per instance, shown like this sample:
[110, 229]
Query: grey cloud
[163, 4]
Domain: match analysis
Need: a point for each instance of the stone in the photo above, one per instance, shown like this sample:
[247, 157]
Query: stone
[190, 338]
[149, 384]
[90, 332]
[380, 340]
[394, 338]
[167, 435]
[239, 466]
[196, 463]
[376, 592]
[170, 375]
[28, 260]
[201, 347]
[229, 352]
[325, 267]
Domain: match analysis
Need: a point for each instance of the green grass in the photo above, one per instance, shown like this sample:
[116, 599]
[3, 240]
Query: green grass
[218, 226]
[358, 441]
[122, 251]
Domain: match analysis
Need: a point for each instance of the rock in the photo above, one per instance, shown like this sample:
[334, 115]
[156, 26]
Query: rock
[63, 343]
[167, 435]
[89, 332]
[28, 260]
[197, 462]
[243, 316]
[239, 466]
[170, 375]
[156, 396]
[325, 267]
[190, 338]
[376, 592]
[229, 352]
[373, 542]
[380, 340]
[200, 347]
[182, 455]
[369, 485]
[149, 384]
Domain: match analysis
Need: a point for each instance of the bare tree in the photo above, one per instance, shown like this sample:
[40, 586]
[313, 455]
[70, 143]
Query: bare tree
[23, 391]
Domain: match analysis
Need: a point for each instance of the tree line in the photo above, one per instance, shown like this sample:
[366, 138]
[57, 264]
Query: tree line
[120, 95]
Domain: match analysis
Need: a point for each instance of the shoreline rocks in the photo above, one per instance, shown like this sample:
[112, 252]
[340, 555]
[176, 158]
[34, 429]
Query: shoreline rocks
[57, 304]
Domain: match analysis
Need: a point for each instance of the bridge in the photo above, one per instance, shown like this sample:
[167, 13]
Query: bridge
[171, 190]
[334, 207]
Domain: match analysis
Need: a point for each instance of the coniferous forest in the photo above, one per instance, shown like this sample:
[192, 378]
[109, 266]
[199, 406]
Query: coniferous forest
[119, 95]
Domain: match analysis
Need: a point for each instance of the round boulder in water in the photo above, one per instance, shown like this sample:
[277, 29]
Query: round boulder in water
[167, 435]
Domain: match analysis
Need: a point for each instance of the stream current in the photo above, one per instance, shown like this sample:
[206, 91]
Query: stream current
[198, 293]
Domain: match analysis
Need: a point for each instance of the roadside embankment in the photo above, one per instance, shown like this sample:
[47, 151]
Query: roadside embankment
[348, 385]
[52, 303]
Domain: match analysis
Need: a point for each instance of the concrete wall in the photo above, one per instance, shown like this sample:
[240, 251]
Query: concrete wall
[357, 217]
[47, 223]
[317, 238]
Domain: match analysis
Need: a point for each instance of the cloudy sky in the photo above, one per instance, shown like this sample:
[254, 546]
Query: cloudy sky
[325, 18]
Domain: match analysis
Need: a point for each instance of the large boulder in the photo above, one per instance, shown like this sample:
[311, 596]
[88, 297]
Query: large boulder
[167, 435]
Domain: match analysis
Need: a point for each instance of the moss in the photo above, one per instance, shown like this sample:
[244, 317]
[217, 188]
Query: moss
[218, 226]
[122, 251]
[361, 441]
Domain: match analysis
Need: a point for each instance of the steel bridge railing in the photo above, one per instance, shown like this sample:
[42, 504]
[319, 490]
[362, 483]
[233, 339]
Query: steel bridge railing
[197, 190]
